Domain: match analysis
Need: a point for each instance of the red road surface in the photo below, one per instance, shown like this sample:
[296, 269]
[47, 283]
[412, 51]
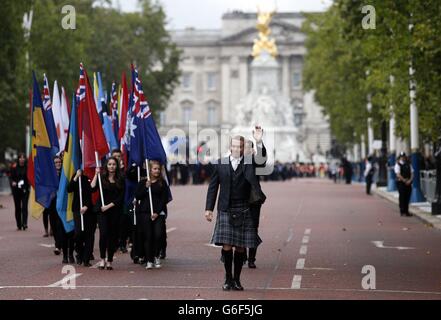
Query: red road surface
[317, 237]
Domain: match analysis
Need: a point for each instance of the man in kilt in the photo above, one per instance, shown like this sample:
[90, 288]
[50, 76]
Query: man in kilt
[234, 223]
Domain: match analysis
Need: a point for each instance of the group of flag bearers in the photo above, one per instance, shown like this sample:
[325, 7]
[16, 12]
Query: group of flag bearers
[68, 181]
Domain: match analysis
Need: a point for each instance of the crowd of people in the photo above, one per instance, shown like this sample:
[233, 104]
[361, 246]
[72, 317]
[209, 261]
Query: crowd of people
[114, 199]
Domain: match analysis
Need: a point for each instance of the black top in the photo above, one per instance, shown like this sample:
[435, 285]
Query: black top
[159, 197]
[405, 170]
[19, 173]
[86, 189]
[221, 179]
[113, 193]
[240, 196]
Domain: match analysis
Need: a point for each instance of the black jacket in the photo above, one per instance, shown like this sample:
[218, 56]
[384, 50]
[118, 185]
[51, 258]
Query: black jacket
[221, 178]
[74, 187]
[19, 174]
[159, 197]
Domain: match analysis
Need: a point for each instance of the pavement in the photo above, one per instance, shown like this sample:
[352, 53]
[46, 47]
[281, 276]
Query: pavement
[421, 210]
[320, 241]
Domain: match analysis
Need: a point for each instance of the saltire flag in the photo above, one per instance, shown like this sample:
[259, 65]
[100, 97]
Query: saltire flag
[71, 163]
[114, 111]
[92, 138]
[106, 119]
[65, 112]
[123, 136]
[57, 112]
[42, 177]
[146, 138]
[49, 118]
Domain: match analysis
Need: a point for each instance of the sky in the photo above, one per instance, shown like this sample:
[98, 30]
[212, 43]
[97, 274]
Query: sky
[206, 14]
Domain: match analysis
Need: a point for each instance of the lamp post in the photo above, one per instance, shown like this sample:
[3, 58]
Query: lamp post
[417, 195]
[391, 177]
[382, 162]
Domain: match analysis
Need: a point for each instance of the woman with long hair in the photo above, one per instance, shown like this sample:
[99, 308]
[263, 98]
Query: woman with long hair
[109, 211]
[150, 226]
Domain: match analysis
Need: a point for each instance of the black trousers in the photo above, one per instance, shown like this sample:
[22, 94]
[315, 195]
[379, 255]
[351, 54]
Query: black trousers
[404, 197]
[368, 183]
[56, 226]
[46, 220]
[150, 235]
[255, 214]
[124, 230]
[108, 224]
[84, 239]
[21, 207]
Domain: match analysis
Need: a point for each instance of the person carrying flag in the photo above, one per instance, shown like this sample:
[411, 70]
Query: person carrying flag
[109, 211]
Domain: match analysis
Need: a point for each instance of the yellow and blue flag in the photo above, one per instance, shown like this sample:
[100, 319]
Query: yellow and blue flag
[71, 163]
[43, 175]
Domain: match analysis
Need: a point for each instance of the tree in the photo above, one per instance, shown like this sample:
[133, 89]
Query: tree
[12, 63]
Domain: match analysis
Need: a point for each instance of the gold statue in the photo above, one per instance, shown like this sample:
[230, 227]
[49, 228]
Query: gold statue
[264, 43]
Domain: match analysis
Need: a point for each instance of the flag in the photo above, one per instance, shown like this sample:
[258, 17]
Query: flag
[49, 118]
[65, 113]
[44, 176]
[106, 119]
[147, 142]
[114, 111]
[71, 163]
[92, 138]
[56, 110]
[123, 136]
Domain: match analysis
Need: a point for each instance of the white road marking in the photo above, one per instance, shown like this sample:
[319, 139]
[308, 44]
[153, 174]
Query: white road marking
[296, 282]
[300, 263]
[64, 280]
[171, 229]
[303, 250]
[47, 245]
[212, 245]
[321, 269]
[305, 239]
[291, 234]
[297, 278]
[379, 244]
[308, 231]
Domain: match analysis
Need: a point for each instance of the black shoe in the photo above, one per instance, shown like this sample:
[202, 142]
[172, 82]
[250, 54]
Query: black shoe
[135, 260]
[236, 285]
[409, 214]
[87, 264]
[25, 227]
[79, 261]
[65, 260]
[71, 259]
[162, 254]
[92, 257]
[228, 285]
[123, 249]
[251, 265]
[57, 251]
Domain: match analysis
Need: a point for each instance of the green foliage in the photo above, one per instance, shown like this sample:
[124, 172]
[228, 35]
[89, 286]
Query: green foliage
[105, 40]
[340, 52]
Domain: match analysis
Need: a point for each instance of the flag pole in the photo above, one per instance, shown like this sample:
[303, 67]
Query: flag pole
[134, 205]
[81, 202]
[150, 188]
[99, 179]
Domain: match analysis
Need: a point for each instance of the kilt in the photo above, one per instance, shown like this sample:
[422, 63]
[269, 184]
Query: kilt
[244, 236]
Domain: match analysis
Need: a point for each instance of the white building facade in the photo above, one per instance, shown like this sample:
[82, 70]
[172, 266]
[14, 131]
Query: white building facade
[216, 76]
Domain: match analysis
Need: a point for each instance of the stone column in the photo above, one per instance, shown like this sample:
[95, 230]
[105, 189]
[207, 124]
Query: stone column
[225, 75]
[286, 76]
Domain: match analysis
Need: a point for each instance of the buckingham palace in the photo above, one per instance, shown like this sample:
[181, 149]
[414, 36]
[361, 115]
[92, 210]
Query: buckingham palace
[216, 77]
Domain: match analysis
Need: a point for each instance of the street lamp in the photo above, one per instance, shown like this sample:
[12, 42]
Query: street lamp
[391, 179]
[417, 195]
